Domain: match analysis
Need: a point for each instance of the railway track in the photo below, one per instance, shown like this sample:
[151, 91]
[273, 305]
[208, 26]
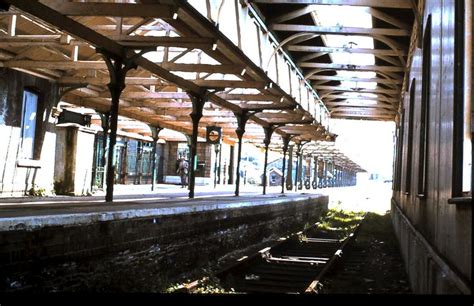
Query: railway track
[295, 264]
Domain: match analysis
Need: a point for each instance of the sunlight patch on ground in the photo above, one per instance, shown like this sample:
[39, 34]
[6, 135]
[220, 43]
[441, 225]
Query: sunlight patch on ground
[369, 197]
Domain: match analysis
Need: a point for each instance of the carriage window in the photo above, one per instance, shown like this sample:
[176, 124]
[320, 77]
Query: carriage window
[425, 112]
[28, 124]
[410, 138]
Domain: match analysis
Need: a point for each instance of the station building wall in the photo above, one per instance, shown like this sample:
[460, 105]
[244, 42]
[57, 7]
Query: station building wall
[25, 162]
[434, 230]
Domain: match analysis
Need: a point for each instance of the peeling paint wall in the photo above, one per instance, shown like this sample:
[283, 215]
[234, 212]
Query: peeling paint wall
[15, 180]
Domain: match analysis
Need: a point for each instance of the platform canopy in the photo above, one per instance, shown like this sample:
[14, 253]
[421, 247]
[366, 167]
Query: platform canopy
[328, 151]
[186, 53]
[355, 53]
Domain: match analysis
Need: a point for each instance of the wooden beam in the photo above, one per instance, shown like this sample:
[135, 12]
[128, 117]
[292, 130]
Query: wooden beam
[278, 116]
[338, 30]
[165, 41]
[112, 9]
[148, 95]
[362, 109]
[63, 65]
[387, 18]
[105, 80]
[224, 69]
[402, 4]
[310, 56]
[353, 67]
[344, 50]
[293, 14]
[361, 90]
[248, 97]
[337, 105]
[340, 95]
[354, 79]
[230, 84]
[271, 106]
[390, 60]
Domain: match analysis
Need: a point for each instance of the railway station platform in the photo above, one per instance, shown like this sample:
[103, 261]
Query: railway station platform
[38, 232]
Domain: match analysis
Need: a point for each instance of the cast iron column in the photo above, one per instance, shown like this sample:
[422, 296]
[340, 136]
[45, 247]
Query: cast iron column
[300, 171]
[298, 165]
[230, 169]
[315, 175]
[105, 123]
[216, 150]
[118, 68]
[220, 166]
[268, 135]
[325, 180]
[289, 176]
[155, 130]
[241, 121]
[196, 114]
[286, 141]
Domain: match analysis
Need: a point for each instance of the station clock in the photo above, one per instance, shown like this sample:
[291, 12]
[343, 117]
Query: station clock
[213, 134]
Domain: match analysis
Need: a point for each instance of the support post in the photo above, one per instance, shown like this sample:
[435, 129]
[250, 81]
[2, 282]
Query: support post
[307, 173]
[325, 179]
[268, 135]
[220, 166]
[241, 122]
[315, 173]
[298, 165]
[155, 130]
[286, 141]
[188, 142]
[105, 123]
[196, 115]
[216, 165]
[118, 68]
[300, 171]
[289, 176]
[230, 169]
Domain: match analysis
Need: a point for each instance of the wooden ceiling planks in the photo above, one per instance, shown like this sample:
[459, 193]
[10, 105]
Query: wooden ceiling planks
[285, 17]
[74, 38]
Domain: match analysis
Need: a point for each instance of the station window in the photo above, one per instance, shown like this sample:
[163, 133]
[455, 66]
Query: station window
[424, 112]
[28, 124]
[409, 155]
[462, 112]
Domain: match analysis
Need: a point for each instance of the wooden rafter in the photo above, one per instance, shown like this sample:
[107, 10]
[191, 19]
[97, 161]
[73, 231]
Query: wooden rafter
[338, 30]
[372, 3]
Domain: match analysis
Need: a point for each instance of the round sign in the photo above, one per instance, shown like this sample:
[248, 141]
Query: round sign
[213, 136]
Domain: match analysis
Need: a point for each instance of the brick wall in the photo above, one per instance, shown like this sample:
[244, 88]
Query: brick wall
[204, 152]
